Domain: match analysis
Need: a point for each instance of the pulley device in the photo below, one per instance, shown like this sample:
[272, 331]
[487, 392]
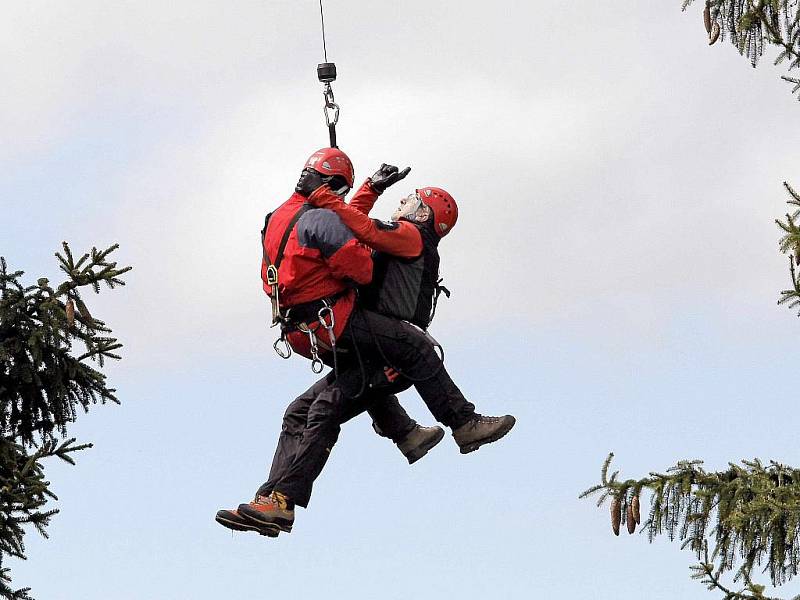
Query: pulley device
[326, 73]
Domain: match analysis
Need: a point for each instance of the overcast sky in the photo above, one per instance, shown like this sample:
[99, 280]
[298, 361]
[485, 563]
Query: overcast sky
[614, 275]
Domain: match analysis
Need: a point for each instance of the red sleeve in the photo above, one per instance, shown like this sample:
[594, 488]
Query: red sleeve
[404, 241]
[364, 199]
[352, 261]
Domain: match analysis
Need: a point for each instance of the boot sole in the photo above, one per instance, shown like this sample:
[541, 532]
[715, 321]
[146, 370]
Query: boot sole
[422, 450]
[267, 530]
[266, 524]
[471, 447]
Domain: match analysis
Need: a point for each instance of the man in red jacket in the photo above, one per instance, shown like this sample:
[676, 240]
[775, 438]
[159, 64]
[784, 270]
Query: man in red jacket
[309, 255]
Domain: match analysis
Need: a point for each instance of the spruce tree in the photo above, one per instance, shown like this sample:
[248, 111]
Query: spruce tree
[51, 352]
[744, 518]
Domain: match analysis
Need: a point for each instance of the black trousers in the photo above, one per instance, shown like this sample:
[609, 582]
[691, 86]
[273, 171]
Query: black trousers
[388, 417]
[378, 341]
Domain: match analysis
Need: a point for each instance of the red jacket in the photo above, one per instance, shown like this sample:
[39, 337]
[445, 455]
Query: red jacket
[322, 258]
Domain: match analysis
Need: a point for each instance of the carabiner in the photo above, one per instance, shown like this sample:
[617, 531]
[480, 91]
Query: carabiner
[316, 364]
[281, 352]
[327, 311]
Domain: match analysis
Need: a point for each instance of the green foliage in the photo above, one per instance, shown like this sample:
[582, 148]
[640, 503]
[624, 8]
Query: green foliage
[43, 381]
[790, 244]
[752, 25]
[749, 513]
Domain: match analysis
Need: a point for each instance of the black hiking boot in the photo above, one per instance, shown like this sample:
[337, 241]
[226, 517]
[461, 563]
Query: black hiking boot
[233, 520]
[480, 430]
[419, 441]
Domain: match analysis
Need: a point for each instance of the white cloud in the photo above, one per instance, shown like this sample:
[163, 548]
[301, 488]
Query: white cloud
[589, 175]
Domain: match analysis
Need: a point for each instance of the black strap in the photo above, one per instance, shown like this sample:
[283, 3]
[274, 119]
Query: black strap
[285, 238]
[438, 291]
[332, 134]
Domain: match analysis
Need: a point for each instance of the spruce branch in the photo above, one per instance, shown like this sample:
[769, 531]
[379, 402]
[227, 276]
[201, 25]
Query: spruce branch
[789, 243]
[750, 512]
[705, 573]
[752, 25]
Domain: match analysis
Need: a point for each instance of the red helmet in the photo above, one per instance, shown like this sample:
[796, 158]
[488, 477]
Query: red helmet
[331, 161]
[444, 207]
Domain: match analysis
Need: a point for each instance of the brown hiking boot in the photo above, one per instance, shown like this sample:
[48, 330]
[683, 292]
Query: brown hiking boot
[480, 430]
[233, 520]
[273, 510]
[419, 441]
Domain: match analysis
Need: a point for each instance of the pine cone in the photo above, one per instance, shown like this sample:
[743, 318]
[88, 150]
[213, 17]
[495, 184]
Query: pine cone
[70, 309]
[84, 312]
[707, 18]
[630, 520]
[637, 516]
[714, 35]
[616, 515]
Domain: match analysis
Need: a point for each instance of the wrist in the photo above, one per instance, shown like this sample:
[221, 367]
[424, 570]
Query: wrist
[373, 187]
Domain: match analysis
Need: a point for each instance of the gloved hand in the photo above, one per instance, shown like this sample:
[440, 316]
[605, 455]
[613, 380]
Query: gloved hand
[387, 175]
[309, 181]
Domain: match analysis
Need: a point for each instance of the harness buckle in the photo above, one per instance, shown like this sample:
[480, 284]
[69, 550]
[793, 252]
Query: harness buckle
[272, 276]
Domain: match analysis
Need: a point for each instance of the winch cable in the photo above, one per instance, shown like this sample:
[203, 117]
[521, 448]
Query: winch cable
[322, 20]
[326, 73]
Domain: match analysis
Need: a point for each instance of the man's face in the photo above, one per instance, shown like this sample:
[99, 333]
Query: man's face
[408, 208]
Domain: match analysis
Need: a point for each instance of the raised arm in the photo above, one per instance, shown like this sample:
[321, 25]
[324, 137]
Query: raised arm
[364, 198]
[401, 239]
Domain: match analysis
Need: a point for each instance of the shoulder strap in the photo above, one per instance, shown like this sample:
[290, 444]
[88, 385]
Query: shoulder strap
[284, 239]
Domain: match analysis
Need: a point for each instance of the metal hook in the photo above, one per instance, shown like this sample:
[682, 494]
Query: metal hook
[330, 103]
[322, 313]
[281, 352]
[316, 364]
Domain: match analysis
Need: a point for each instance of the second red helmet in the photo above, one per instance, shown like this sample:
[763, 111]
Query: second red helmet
[444, 207]
[332, 161]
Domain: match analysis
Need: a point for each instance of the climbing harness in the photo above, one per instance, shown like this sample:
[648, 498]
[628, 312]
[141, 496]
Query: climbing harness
[326, 73]
[285, 318]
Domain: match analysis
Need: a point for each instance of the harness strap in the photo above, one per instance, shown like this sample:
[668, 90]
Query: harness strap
[438, 290]
[284, 239]
[272, 268]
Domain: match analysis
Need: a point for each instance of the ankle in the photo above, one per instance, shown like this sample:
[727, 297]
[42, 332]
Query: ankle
[284, 499]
